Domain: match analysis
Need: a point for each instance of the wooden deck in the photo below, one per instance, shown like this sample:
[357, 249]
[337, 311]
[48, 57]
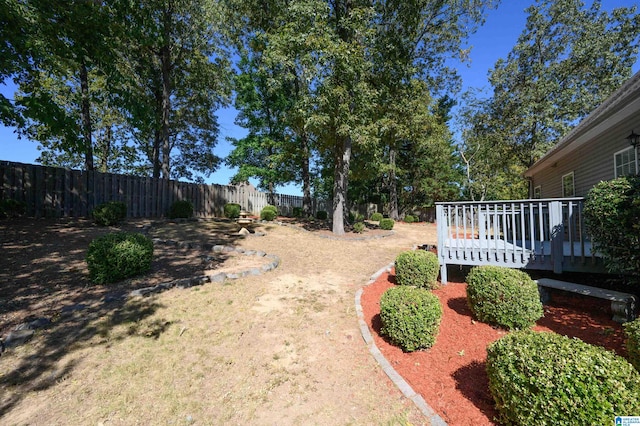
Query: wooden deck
[542, 234]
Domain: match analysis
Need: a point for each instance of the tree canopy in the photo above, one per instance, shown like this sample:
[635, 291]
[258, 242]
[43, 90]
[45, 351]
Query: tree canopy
[351, 99]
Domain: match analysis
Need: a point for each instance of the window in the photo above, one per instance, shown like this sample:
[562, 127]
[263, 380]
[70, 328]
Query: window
[568, 187]
[537, 192]
[625, 162]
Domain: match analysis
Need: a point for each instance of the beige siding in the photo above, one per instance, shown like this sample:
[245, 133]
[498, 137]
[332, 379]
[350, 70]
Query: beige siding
[591, 164]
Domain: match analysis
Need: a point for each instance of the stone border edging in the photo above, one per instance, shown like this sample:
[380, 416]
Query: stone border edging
[395, 377]
[203, 279]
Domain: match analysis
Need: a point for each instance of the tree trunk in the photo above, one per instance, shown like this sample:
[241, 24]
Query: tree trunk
[86, 118]
[106, 150]
[306, 177]
[393, 187]
[165, 62]
[341, 183]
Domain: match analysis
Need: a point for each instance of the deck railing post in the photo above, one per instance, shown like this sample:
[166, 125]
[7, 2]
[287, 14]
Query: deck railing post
[556, 231]
[441, 223]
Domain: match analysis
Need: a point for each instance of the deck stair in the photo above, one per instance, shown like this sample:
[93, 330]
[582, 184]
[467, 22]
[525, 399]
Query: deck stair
[623, 305]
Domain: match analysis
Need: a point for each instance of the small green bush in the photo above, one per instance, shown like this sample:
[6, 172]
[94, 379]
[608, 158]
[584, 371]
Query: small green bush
[181, 209]
[409, 218]
[632, 331]
[110, 213]
[504, 297]
[358, 227]
[417, 268]
[410, 317]
[232, 210]
[269, 212]
[12, 208]
[322, 215]
[611, 212]
[118, 255]
[549, 379]
[376, 217]
[297, 212]
[386, 224]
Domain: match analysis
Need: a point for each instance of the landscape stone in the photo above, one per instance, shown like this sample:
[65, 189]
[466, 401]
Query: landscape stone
[18, 337]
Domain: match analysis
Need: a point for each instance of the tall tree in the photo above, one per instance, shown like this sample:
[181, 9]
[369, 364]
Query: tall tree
[66, 42]
[178, 70]
[568, 59]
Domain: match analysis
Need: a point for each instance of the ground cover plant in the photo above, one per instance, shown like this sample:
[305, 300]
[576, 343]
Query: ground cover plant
[632, 331]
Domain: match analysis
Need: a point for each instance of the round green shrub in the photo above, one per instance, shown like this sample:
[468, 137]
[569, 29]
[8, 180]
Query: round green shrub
[504, 297]
[118, 255]
[11, 208]
[611, 212]
[549, 379]
[376, 217]
[110, 213]
[355, 217]
[409, 218]
[322, 215]
[632, 331]
[297, 212]
[268, 212]
[386, 224]
[358, 227]
[181, 209]
[232, 210]
[410, 317]
[417, 268]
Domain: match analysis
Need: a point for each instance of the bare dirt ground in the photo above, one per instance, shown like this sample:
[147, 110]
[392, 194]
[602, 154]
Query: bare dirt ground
[280, 348]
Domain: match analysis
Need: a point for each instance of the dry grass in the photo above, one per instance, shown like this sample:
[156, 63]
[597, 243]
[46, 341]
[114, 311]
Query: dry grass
[281, 348]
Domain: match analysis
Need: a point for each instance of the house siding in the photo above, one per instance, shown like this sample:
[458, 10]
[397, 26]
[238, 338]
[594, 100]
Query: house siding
[593, 162]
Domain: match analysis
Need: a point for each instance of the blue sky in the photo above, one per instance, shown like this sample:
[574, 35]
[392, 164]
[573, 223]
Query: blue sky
[492, 41]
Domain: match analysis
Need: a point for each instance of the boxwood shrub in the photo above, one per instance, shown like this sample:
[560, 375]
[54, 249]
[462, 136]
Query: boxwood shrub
[11, 208]
[322, 215]
[118, 255]
[548, 379]
[504, 297]
[386, 224]
[632, 331]
[611, 212]
[376, 217]
[410, 317]
[269, 212]
[181, 209]
[409, 218]
[110, 213]
[297, 212]
[232, 210]
[418, 268]
[358, 227]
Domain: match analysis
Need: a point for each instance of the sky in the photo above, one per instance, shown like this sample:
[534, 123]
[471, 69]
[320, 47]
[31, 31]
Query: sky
[492, 41]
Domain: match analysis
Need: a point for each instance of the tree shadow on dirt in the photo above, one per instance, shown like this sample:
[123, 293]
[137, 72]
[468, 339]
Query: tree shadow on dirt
[44, 276]
[41, 364]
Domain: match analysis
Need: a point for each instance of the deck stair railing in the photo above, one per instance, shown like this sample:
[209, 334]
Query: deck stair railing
[534, 234]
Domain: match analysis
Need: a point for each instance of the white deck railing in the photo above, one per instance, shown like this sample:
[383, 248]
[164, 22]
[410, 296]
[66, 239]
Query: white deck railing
[545, 234]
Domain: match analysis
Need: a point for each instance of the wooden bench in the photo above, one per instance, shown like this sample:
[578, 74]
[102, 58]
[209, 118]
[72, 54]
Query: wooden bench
[623, 305]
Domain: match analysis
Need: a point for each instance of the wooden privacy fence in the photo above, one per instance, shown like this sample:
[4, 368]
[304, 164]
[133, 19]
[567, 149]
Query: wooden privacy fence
[542, 234]
[58, 192]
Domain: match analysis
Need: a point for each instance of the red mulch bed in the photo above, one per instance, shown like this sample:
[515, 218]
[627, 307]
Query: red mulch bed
[451, 375]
